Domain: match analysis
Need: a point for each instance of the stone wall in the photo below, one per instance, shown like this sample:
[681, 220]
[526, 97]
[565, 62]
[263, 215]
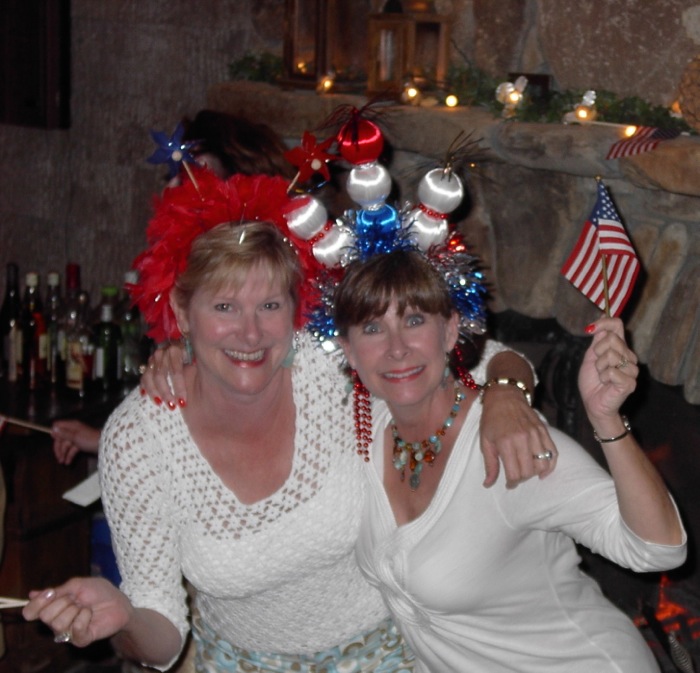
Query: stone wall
[630, 47]
[531, 194]
[83, 194]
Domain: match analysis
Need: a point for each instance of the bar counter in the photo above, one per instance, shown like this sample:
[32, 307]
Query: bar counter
[46, 538]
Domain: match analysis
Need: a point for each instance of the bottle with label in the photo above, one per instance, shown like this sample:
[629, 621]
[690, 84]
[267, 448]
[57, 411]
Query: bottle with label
[108, 343]
[34, 338]
[10, 325]
[55, 330]
[129, 320]
[80, 346]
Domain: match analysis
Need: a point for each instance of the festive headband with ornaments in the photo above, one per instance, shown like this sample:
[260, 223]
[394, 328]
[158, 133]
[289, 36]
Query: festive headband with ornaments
[325, 247]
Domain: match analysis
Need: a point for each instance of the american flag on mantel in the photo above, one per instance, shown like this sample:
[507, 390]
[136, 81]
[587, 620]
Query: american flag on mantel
[645, 139]
[603, 265]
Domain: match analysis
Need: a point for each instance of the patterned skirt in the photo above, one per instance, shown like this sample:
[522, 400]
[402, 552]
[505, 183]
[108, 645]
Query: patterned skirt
[381, 650]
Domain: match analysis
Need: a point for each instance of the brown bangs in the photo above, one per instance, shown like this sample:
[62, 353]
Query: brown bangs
[369, 287]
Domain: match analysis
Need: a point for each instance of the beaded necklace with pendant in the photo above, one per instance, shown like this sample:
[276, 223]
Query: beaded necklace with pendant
[417, 454]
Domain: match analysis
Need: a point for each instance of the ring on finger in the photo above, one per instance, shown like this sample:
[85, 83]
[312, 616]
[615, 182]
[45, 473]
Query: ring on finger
[622, 363]
[545, 455]
[64, 637]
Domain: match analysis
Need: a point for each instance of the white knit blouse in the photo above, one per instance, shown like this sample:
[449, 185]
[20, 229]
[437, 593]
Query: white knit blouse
[279, 575]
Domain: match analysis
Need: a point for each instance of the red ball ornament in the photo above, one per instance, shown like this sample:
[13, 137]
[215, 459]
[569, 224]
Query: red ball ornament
[360, 141]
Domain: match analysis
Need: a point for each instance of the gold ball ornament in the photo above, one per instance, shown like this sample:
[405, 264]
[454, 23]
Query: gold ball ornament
[689, 93]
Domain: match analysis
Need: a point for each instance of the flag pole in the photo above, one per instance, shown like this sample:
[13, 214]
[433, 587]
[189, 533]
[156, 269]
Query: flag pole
[604, 269]
[606, 293]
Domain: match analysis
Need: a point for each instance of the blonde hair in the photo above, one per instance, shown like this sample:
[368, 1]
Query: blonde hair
[223, 257]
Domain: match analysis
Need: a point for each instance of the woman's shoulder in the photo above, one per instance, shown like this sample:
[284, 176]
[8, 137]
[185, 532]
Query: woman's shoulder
[139, 421]
[129, 410]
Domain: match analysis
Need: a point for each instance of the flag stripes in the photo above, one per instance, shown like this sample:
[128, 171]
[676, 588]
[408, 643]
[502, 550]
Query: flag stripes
[603, 237]
[645, 139]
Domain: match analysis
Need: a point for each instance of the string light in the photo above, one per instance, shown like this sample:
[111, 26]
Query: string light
[511, 95]
[325, 84]
[585, 113]
[410, 94]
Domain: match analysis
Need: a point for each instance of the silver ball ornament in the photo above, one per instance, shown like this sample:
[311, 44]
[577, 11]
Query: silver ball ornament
[440, 190]
[369, 185]
[331, 250]
[308, 219]
[427, 230]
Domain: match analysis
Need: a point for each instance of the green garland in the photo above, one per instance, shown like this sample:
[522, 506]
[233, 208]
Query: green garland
[264, 67]
[475, 88]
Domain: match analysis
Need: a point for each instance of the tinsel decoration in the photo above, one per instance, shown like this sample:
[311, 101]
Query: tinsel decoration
[464, 280]
[378, 228]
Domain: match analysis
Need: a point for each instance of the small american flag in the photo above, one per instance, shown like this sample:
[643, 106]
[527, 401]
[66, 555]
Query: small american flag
[608, 285]
[645, 139]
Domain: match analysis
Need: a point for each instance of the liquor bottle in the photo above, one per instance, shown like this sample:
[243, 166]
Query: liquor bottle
[80, 346]
[10, 324]
[34, 339]
[129, 320]
[108, 342]
[71, 312]
[55, 330]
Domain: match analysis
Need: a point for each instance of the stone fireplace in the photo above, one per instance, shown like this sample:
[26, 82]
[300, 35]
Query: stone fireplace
[531, 192]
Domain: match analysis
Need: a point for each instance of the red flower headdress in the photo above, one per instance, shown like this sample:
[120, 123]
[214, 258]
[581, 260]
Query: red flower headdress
[184, 212]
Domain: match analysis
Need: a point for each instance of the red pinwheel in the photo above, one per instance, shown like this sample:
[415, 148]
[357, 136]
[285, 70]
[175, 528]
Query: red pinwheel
[310, 157]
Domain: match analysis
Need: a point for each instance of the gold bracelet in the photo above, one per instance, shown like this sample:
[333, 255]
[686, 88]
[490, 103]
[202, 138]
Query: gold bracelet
[605, 440]
[505, 381]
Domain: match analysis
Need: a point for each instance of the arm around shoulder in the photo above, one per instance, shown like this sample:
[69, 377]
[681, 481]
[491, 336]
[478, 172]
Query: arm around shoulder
[511, 431]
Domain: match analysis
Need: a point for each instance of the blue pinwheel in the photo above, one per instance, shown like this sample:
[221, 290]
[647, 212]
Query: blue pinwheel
[171, 150]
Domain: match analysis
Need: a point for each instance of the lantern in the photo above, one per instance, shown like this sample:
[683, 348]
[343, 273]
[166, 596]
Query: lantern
[326, 38]
[407, 45]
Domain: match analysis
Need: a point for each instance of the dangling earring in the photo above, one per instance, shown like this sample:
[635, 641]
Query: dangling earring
[289, 359]
[188, 358]
[362, 414]
[446, 372]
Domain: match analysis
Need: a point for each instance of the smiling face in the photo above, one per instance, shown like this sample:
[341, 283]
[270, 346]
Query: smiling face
[400, 355]
[396, 322]
[240, 335]
[236, 302]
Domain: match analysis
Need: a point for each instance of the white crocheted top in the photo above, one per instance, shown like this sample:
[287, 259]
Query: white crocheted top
[279, 575]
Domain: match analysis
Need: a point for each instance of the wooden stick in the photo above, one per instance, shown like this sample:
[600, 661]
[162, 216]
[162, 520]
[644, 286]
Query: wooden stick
[194, 180]
[6, 602]
[26, 424]
[293, 183]
[606, 293]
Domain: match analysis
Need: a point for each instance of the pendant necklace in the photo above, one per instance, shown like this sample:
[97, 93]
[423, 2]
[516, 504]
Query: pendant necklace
[417, 454]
